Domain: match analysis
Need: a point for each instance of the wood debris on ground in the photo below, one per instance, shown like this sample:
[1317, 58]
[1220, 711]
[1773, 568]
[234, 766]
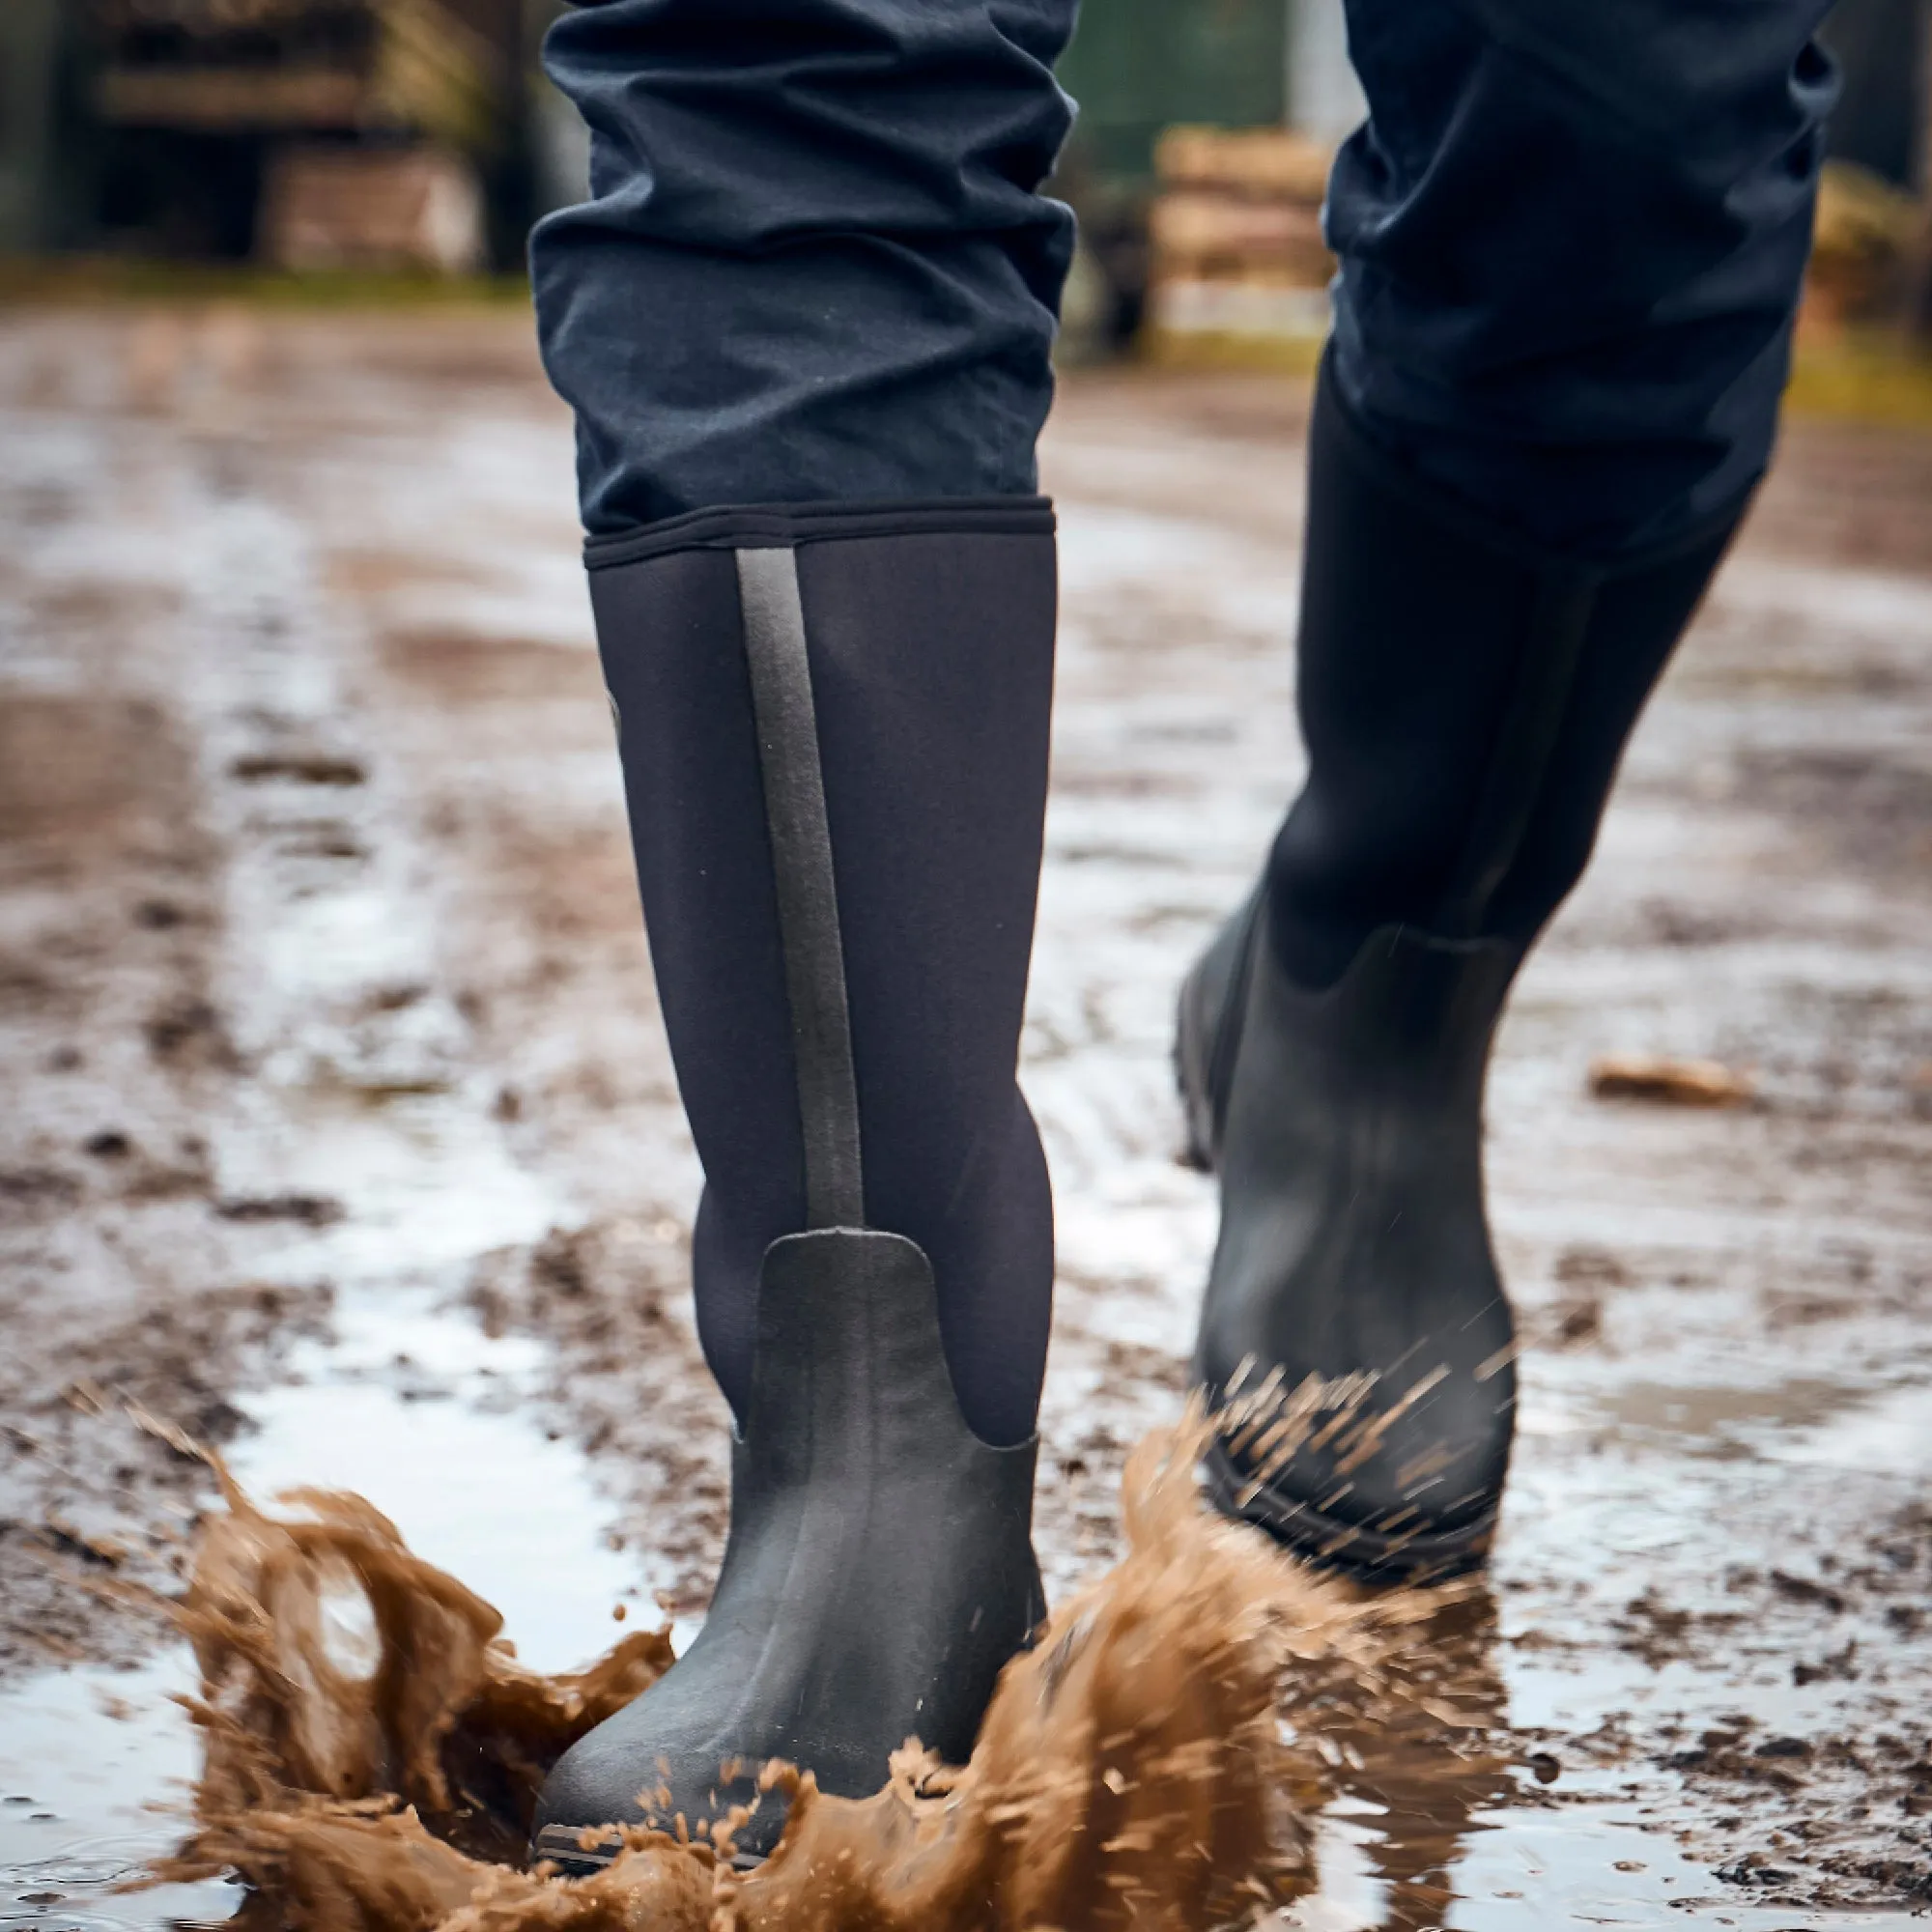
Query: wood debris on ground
[1667, 1082]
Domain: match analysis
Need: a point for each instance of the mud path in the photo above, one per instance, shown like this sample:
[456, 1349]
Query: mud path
[341, 1131]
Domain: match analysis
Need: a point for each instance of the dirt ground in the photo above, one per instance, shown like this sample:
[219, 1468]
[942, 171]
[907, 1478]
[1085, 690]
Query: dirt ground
[332, 1064]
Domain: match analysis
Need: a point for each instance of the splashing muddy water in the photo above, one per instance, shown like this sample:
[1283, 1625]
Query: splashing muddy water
[373, 1748]
[416, 1408]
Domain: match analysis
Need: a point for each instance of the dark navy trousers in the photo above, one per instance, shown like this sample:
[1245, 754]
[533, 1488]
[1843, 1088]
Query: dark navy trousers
[816, 262]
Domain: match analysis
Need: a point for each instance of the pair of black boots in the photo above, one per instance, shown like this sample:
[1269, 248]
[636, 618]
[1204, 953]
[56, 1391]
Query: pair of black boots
[834, 725]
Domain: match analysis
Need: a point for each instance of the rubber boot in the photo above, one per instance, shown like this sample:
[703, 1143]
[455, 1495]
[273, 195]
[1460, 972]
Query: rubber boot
[1465, 702]
[833, 724]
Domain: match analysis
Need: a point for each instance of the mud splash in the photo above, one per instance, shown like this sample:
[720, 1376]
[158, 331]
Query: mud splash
[373, 1747]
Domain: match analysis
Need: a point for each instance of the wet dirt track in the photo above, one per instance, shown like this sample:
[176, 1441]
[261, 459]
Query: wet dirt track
[341, 1132]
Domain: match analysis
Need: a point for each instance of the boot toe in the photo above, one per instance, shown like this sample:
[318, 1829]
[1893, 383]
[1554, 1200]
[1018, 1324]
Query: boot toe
[1420, 1504]
[629, 1771]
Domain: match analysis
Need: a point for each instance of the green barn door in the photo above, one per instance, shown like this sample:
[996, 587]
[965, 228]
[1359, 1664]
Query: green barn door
[1137, 66]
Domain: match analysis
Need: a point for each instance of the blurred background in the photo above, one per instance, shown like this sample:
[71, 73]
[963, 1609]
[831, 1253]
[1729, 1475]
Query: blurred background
[325, 138]
[339, 1127]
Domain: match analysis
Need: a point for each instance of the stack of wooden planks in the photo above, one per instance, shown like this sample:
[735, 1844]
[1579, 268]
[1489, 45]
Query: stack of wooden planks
[372, 118]
[1236, 233]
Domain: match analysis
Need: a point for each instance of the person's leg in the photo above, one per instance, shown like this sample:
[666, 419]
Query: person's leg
[804, 323]
[1572, 241]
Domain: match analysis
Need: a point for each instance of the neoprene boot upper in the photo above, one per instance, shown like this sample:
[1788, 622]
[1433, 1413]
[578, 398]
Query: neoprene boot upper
[1465, 701]
[834, 731]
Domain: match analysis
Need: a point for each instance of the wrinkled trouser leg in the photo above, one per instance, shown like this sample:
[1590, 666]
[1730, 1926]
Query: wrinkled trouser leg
[1571, 238]
[813, 263]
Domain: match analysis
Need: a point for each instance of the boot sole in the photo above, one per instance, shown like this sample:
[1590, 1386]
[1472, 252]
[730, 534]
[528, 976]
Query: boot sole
[1359, 1551]
[563, 1846]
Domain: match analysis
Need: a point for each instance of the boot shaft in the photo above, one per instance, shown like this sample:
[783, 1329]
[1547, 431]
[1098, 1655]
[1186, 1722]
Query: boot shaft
[1465, 701]
[834, 726]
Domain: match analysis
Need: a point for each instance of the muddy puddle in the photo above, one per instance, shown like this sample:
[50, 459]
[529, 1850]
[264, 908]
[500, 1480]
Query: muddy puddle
[1133, 1768]
[322, 988]
[1416, 1764]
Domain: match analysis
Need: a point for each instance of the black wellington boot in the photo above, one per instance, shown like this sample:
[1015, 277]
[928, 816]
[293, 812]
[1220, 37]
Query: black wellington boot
[833, 724]
[1465, 702]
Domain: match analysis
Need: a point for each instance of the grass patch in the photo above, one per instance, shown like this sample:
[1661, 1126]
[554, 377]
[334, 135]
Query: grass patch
[51, 281]
[1877, 379]
[1869, 377]
[1283, 355]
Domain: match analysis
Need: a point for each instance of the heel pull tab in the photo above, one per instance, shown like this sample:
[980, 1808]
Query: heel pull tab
[808, 900]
